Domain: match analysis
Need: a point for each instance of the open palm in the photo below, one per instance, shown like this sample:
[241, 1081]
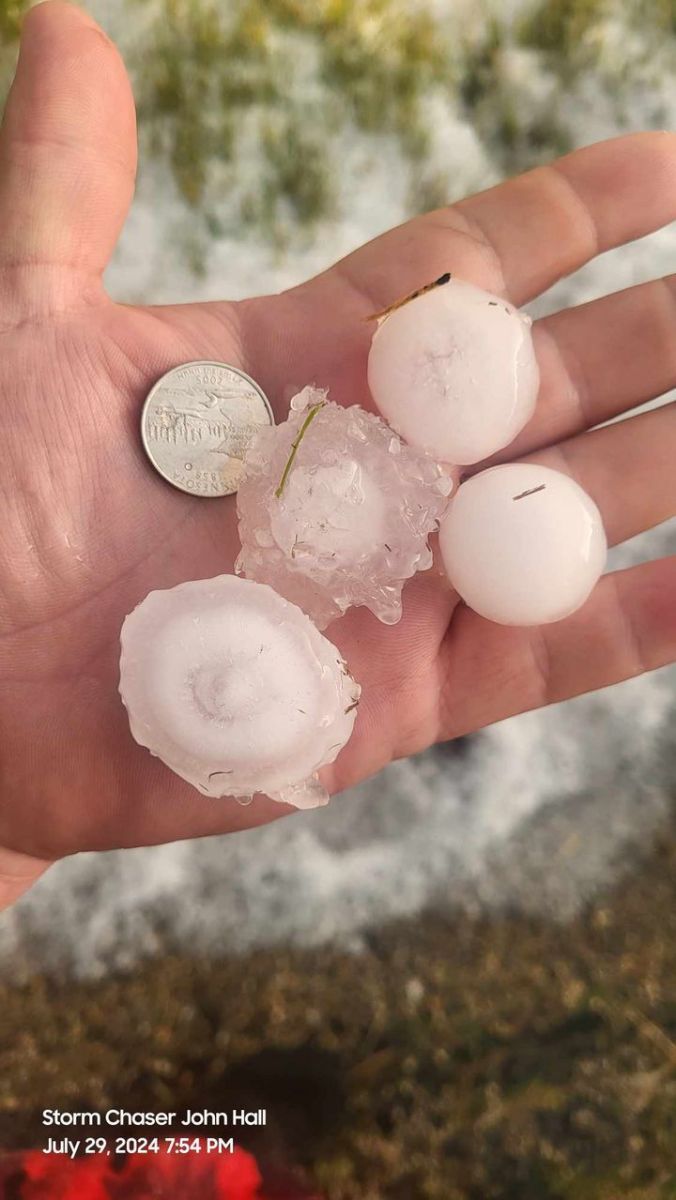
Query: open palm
[87, 529]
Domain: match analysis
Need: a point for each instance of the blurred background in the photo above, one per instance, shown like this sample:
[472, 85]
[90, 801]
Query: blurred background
[459, 981]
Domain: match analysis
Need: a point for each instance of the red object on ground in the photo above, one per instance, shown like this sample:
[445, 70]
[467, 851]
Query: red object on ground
[200, 1175]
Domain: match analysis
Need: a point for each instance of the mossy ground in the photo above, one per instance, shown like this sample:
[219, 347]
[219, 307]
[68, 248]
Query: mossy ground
[298, 75]
[251, 101]
[454, 1059]
[286, 76]
[560, 27]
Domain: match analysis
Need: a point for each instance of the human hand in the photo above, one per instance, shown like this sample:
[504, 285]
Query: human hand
[88, 528]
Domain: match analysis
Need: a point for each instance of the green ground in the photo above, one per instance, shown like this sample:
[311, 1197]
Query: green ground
[455, 1059]
[253, 100]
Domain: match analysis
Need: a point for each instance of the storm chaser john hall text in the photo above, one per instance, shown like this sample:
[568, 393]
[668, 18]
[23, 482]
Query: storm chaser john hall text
[117, 1117]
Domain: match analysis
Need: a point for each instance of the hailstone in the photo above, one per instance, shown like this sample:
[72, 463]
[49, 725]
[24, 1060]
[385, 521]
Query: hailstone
[236, 690]
[335, 510]
[454, 372]
[522, 544]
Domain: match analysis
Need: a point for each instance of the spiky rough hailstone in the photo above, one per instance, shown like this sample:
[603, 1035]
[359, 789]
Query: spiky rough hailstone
[454, 372]
[236, 690]
[352, 521]
[522, 544]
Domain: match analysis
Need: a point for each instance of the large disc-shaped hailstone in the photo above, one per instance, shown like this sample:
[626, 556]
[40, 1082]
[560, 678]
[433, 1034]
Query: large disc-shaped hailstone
[454, 372]
[335, 510]
[236, 690]
[522, 544]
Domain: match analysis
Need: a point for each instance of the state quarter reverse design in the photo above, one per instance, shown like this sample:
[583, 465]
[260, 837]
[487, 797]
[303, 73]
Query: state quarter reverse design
[197, 423]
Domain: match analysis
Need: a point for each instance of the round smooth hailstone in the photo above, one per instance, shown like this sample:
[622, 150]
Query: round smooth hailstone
[236, 690]
[454, 372]
[522, 544]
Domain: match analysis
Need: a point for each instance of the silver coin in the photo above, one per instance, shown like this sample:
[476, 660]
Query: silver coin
[197, 423]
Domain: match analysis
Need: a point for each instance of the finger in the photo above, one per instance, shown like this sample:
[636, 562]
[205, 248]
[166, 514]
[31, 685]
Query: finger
[627, 469]
[489, 672]
[67, 148]
[523, 235]
[599, 359]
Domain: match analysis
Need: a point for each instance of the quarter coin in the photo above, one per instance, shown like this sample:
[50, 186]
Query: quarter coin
[197, 423]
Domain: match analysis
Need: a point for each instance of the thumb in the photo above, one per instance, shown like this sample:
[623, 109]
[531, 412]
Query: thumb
[67, 155]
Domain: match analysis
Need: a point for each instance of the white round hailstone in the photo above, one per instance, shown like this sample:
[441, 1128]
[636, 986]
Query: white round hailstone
[454, 372]
[522, 544]
[236, 690]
